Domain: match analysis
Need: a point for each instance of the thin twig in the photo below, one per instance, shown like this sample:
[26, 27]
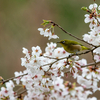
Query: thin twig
[12, 78]
[90, 64]
[21, 92]
[93, 16]
[49, 57]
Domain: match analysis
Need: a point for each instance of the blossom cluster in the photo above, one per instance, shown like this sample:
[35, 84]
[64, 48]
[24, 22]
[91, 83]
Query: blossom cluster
[44, 76]
[93, 18]
[47, 33]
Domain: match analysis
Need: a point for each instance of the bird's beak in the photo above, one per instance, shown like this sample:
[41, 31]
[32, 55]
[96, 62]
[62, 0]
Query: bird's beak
[58, 42]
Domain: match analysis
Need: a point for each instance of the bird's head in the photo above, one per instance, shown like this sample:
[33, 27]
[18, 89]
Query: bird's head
[63, 42]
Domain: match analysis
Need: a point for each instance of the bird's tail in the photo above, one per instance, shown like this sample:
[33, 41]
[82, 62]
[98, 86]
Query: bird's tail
[85, 48]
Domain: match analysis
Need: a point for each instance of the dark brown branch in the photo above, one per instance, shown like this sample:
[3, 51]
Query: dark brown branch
[70, 33]
[4, 81]
[70, 57]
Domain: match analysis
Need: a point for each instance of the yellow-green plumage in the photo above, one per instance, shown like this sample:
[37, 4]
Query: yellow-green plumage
[72, 46]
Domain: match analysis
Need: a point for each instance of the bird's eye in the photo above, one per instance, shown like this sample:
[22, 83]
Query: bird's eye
[63, 42]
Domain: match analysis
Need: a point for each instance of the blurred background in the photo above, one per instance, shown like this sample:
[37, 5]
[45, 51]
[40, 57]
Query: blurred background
[20, 19]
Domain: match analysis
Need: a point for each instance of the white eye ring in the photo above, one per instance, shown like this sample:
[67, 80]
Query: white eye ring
[63, 41]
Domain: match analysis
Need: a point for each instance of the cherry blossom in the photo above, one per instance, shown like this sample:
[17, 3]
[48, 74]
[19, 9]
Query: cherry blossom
[47, 33]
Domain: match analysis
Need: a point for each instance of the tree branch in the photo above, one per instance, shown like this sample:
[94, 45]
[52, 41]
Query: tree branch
[4, 81]
[90, 64]
[70, 33]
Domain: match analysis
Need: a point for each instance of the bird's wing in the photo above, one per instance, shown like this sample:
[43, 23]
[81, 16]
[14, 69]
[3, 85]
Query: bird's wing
[76, 43]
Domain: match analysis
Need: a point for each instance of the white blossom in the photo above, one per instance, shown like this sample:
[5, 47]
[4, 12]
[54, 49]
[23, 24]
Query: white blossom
[47, 33]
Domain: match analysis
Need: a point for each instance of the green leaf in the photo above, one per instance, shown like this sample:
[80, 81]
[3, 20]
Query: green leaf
[45, 22]
[84, 8]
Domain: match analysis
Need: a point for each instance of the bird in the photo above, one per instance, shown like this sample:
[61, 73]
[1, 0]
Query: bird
[72, 46]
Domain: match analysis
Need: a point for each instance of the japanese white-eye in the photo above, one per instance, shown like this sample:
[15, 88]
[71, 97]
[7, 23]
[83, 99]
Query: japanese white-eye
[72, 46]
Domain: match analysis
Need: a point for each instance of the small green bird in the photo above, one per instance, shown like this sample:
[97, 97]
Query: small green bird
[72, 46]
